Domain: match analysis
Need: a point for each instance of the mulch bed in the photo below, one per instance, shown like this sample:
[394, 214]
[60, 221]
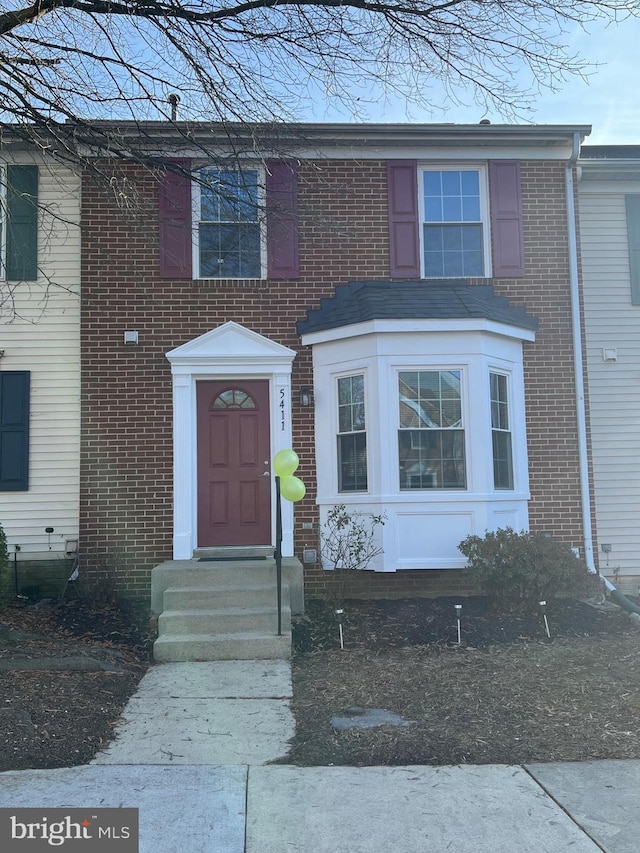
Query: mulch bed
[66, 673]
[506, 694]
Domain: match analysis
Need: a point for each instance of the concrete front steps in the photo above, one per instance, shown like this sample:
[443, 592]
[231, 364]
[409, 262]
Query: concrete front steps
[224, 610]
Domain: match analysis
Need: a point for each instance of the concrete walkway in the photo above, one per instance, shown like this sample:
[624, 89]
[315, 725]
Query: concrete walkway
[218, 712]
[191, 754]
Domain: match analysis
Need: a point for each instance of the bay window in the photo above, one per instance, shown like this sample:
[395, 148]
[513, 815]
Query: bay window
[421, 417]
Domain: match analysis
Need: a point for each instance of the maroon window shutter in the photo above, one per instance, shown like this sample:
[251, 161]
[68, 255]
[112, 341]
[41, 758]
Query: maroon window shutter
[506, 219]
[282, 219]
[175, 237]
[404, 240]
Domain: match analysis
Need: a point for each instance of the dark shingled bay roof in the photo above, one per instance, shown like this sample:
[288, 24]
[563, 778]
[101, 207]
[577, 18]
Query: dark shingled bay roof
[359, 301]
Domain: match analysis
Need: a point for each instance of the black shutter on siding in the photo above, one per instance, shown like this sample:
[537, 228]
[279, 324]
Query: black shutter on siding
[14, 430]
[22, 223]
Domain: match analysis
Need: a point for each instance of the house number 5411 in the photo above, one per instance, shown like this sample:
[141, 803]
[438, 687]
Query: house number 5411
[282, 409]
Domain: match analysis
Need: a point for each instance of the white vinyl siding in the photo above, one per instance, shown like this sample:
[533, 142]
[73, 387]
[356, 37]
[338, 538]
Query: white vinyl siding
[612, 324]
[44, 338]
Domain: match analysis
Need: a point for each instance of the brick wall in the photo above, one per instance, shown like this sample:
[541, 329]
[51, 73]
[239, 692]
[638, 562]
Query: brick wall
[126, 491]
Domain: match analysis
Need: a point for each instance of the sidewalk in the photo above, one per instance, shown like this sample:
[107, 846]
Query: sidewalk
[191, 755]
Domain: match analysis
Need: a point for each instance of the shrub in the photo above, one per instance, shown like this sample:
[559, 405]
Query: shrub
[518, 570]
[347, 543]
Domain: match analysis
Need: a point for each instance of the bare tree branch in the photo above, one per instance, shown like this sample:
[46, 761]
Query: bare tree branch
[69, 68]
[262, 60]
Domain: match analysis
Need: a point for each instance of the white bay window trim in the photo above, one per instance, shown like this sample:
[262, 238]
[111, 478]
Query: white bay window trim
[423, 526]
[351, 428]
[425, 430]
[501, 433]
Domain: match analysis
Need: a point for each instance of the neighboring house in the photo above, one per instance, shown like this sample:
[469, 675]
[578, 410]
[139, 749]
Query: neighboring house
[39, 366]
[609, 197]
[416, 284]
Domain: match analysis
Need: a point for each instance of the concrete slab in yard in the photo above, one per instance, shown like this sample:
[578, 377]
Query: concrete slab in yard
[200, 731]
[464, 809]
[248, 679]
[199, 809]
[603, 797]
[368, 718]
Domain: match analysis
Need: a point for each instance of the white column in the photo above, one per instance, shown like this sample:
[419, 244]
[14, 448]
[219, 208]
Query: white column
[183, 468]
[282, 440]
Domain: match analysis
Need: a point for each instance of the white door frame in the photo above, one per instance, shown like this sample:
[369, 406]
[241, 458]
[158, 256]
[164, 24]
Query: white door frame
[229, 351]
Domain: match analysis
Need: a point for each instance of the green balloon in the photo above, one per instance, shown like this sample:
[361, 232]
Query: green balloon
[292, 488]
[285, 462]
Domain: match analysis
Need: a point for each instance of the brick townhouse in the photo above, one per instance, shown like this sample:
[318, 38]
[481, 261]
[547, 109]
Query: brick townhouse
[398, 303]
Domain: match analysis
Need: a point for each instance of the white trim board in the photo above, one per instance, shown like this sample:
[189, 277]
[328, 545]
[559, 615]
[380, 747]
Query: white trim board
[230, 350]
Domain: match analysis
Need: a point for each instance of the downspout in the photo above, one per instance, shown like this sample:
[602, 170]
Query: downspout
[585, 493]
[574, 283]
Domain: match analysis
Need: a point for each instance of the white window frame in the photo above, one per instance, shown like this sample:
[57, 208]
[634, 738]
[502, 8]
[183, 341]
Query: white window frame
[483, 180]
[507, 377]
[358, 371]
[433, 367]
[196, 204]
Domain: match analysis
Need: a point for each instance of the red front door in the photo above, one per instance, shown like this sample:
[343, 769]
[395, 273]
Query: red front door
[234, 476]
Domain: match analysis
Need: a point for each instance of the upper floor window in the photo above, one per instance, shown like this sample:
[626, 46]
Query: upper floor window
[228, 223]
[19, 222]
[352, 436]
[431, 433]
[454, 222]
[229, 241]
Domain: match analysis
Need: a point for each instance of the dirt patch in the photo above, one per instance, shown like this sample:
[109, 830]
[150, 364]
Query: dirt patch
[507, 694]
[66, 673]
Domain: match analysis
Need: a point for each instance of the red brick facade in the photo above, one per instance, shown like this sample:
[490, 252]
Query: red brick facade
[126, 475]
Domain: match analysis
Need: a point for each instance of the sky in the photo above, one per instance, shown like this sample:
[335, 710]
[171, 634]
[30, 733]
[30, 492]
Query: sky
[609, 100]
